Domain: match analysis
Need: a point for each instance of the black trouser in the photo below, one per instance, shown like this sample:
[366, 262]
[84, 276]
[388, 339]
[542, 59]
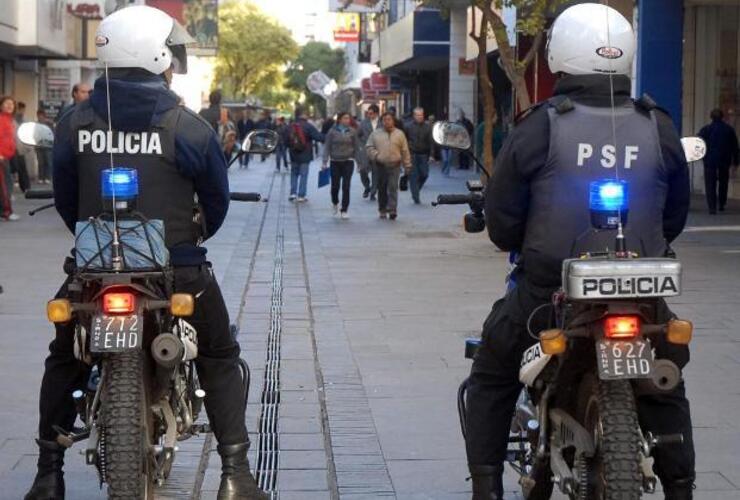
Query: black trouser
[341, 175]
[369, 178]
[712, 177]
[18, 166]
[217, 364]
[494, 387]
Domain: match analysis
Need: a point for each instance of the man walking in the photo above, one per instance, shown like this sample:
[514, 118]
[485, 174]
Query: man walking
[368, 174]
[281, 153]
[300, 141]
[244, 126]
[390, 150]
[722, 151]
[419, 134]
[212, 114]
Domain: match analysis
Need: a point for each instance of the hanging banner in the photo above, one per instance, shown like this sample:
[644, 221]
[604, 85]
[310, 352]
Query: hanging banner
[361, 6]
[199, 17]
[347, 28]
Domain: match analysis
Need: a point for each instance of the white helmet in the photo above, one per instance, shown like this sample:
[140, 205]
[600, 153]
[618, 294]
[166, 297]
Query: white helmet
[591, 39]
[142, 37]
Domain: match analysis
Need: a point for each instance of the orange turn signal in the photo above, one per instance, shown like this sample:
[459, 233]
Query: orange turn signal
[553, 341]
[679, 331]
[59, 310]
[182, 304]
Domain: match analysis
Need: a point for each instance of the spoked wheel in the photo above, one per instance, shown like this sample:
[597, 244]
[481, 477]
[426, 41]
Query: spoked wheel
[128, 463]
[608, 412]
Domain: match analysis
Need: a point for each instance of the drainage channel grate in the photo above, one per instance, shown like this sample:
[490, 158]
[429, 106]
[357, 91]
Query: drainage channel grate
[268, 450]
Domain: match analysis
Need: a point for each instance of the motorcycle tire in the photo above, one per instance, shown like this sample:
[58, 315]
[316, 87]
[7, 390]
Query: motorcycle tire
[126, 429]
[607, 410]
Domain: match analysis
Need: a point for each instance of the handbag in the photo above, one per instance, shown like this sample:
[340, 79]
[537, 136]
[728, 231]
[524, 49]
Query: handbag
[403, 183]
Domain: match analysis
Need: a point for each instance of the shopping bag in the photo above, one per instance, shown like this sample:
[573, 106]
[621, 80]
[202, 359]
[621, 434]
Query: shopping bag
[324, 177]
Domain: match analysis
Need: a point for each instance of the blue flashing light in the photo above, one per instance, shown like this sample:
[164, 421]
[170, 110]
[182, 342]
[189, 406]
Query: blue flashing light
[123, 183]
[609, 196]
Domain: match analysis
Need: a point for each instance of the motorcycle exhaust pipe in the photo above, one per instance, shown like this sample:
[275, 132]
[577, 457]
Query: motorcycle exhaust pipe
[167, 350]
[665, 377]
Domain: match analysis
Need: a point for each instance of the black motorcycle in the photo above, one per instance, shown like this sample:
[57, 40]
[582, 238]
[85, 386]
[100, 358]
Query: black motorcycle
[142, 394]
[576, 423]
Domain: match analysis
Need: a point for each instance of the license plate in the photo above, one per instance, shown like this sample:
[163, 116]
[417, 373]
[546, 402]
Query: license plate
[115, 333]
[624, 359]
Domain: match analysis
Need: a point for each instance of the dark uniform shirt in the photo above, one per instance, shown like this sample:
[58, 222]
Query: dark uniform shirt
[525, 155]
[137, 104]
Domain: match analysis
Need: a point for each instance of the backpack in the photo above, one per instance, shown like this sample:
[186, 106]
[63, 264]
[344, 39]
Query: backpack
[297, 139]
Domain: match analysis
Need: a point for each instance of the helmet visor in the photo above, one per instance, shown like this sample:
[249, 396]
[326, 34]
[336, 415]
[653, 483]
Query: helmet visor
[178, 39]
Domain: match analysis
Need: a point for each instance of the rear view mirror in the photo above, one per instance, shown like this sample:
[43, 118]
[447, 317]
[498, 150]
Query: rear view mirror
[36, 134]
[694, 147]
[260, 141]
[451, 135]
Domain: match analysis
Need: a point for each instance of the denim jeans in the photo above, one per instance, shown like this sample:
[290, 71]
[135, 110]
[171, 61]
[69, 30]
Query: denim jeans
[281, 153]
[299, 170]
[419, 174]
[446, 155]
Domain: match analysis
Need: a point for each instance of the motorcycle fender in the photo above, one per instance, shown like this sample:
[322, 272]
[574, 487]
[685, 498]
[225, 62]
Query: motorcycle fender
[533, 362]
[567, 432]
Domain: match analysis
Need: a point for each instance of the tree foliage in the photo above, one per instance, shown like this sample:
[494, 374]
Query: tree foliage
[253, 49]
[531, 21]
[315, 56]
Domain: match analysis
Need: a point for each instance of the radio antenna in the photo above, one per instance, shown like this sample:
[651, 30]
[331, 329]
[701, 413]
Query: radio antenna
[116, 259]
[621, 244]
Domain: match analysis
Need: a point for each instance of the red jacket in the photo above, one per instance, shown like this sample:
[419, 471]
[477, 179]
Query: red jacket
[7, 136]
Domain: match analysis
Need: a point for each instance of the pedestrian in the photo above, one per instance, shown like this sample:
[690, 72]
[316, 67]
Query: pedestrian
[231, 147]
[419, 134]
[281, 152]
[464, 159]
[7, 151]
[367, 168]
[340, 152]
[43, 155]
[18, 164]
[300, 140]
[722, 152]
[244, 126]
[80, 92]
[212, 114]
[265, 123]
[389, 148]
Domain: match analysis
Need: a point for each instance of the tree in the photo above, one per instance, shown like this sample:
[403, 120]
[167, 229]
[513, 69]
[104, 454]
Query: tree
[531, 20]
[315, 56]
[252, 50]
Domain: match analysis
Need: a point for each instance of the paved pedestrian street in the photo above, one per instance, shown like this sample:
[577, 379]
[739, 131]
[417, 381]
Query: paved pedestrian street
[354, 330]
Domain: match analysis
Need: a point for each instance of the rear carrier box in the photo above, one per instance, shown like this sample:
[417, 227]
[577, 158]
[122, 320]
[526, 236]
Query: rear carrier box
[589, 279]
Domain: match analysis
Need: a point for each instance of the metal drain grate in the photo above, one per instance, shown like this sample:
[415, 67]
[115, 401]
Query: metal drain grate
[268, 450]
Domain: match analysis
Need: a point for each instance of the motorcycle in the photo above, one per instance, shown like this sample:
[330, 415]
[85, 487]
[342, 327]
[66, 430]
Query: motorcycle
[142, 394]
[576, 423]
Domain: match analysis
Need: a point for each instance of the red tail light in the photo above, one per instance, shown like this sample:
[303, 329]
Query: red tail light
[119, 303]
[621, 327]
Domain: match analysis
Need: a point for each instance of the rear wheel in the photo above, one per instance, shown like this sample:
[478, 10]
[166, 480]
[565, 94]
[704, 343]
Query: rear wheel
[128, 471]
[607, 411]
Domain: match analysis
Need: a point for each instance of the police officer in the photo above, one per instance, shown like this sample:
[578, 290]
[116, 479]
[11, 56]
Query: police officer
[537, 204]
[178, 157]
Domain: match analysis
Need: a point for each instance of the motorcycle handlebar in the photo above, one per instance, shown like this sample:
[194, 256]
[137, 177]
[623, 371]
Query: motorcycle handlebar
[245, 197]
[454, 199]
[39, 194]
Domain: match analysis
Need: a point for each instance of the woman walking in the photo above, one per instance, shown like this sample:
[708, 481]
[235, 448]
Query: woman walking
[7, 151]
[342, 147]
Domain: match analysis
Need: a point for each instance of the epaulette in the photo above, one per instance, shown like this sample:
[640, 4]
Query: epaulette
[561, 104]
[647, 104]
[523, 114]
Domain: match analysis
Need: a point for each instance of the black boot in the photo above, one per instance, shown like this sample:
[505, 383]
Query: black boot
[682, 489]
[237, 482]
[49, 481]
[487, 482]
